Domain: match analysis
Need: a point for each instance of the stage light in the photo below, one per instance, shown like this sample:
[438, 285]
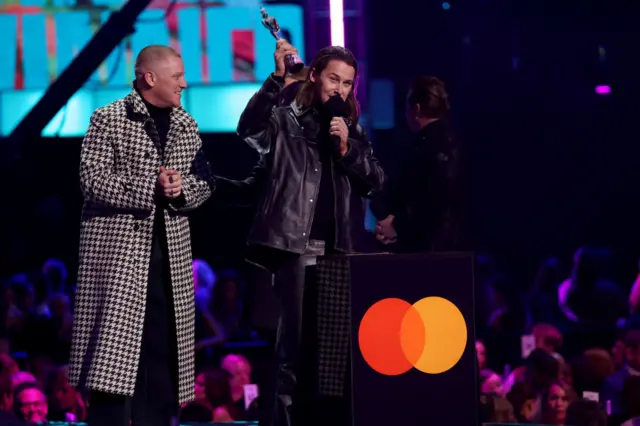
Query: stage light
[446, 5]
[603, 89]
[336, 15]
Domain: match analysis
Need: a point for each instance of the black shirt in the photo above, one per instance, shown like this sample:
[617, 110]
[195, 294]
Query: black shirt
[161, 119]
[323, 226]
[427, 195]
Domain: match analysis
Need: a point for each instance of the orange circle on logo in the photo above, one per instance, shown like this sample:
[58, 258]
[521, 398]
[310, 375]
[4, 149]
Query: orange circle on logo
[430, 335]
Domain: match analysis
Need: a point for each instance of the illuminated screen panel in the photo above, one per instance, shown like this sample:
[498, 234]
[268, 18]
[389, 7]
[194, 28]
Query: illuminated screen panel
[227, 53]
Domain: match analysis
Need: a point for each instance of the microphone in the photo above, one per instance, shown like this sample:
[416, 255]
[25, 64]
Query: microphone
[337, 107]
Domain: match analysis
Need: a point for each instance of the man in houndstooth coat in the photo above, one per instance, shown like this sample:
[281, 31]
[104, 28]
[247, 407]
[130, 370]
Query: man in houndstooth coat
[141, 171]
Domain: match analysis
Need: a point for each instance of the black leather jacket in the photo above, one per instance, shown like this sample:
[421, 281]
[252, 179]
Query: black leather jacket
[427, 196]
[286, 139]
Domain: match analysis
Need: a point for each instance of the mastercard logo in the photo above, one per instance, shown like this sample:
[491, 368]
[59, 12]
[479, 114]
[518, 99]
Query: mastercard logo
[395, 336]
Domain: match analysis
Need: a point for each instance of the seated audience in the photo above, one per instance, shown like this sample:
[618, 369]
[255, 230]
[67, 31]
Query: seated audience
[584, 412]
[7, 418]
[553, 403]
[30, 403]
[524, 402]
[588, 297]
[491, 384]
[239, 370]
[631, 401]
[612, 387]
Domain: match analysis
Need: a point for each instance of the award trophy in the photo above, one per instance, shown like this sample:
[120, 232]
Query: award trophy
[292, 62]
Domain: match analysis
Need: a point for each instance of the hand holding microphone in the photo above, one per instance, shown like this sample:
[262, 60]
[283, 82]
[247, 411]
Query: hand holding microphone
[338, 128]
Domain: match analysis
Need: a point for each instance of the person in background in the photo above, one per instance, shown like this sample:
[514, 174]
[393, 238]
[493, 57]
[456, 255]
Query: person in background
[524, 401]
[22, 377]
[634, 296]
[584, 412]
[65, 403]
[213, 399]
[220, 398]
[31, 403]
[613, 384]
[553, 404]
[481, 353]
[491, 383]
[7, 418]
[421, 209]
[631, 402]
[239, 371]
[496, 409]
[8, 364]
[588, 297]
[226, 306]
[204, 279]
[209, 333]
[547, 337]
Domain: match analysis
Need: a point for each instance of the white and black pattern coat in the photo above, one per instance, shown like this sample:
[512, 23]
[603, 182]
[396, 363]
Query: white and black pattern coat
[119, 167]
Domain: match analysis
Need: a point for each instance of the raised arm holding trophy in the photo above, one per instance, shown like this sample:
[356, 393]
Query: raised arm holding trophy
[293, 62]
[317, 157]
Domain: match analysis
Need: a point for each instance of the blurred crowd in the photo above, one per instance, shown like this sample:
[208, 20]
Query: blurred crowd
[567, 352]
[36, 315]
[564, 350]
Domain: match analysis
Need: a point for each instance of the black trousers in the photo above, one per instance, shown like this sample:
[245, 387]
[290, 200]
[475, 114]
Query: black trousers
[155, 399]
[288, 393]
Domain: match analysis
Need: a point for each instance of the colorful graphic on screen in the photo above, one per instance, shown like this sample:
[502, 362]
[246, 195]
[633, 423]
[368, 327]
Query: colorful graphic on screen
[227, 53]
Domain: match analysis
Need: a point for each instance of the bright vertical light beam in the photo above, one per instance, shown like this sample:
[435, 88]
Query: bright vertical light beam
[336, 16]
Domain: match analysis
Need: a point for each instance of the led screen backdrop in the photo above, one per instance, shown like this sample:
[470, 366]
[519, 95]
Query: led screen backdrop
[227, 53]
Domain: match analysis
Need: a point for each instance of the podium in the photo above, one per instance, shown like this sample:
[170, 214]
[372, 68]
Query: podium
[405, 326]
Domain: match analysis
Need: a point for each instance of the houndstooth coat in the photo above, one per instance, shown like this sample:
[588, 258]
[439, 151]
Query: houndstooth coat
[119, 165]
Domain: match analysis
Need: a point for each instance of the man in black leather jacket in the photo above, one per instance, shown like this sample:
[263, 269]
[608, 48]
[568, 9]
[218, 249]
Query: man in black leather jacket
[421, 208]
[312, 161]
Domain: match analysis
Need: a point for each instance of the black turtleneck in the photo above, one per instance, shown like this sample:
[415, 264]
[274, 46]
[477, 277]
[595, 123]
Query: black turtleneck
[161, 119]
[323, 226]
[159, 332]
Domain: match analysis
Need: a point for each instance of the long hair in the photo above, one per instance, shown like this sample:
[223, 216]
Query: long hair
[307, 94]
[543, 412]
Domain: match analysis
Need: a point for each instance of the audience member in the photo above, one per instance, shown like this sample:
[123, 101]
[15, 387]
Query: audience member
[30, 403]
[7, 418]
[631, 401]
[226, 305]
[491, 384]
[553, 403]
[481, 353]
[584, 412]
[524, 402]
[497, 409]
[239, 370]
[588, 297]
[65, 403]
[613, 384]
